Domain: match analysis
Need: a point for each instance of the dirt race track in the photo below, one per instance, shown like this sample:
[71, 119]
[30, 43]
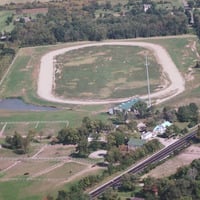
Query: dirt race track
[175, 86]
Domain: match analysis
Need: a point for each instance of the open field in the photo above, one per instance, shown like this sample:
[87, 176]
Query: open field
[25, 68]
[71, 116]
[181, 47]
[104, 72]
[170, 166]
[3, 17]
[46, 171]
[46, 128]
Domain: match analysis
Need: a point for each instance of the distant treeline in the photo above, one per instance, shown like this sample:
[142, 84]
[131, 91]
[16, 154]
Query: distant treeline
[60, 26]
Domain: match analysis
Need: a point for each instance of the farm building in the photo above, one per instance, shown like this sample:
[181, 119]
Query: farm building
[134, 143]
[160, 129]
[125, 106]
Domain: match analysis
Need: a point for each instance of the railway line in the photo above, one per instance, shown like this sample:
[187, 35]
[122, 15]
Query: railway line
[162, 154]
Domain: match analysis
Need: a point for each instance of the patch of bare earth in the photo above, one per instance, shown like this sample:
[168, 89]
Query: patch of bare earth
[170, 166]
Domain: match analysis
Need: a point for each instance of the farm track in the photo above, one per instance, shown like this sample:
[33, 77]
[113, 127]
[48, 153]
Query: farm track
[46, 74]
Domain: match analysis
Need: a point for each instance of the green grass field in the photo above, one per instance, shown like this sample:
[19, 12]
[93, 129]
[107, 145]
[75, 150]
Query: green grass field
[74, 117]
[22, 79]
[181, 51]
[3, 16]
[18, 191]
[105, 72]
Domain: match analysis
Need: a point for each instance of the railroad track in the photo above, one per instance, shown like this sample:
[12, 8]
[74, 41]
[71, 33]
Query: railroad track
[162, 154]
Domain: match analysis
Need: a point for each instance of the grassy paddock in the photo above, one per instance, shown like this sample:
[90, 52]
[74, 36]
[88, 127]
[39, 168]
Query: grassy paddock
[18, 191]
[3, 17]
[104, 72]
[28, 167]
[47, 128]
[73, 117]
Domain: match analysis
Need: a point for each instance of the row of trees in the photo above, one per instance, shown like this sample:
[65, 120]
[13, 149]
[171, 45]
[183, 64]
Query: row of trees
[61, 26]
[183, 185]
[119, 160]
[18, 143]
[6, 56]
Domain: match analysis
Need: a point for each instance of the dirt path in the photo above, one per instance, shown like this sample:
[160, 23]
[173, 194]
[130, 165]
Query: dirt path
[46, 74]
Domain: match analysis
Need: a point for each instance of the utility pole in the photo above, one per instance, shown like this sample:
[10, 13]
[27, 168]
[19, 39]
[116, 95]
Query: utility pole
[148, 84]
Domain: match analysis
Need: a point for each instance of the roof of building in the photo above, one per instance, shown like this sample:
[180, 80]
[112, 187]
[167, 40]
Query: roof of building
[162, 126]
[128, 104]
[134, 142]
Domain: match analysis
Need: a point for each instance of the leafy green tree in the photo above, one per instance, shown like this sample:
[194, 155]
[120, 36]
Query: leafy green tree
[68, 136]
[82, 147]
[74, 193]
[113, 155]
[19, 144]
[128, 183]
[109, 194]
[141, 109]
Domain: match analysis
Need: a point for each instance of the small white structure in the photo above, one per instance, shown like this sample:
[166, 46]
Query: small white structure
[111, 111]
[146, 135]
[146, 7]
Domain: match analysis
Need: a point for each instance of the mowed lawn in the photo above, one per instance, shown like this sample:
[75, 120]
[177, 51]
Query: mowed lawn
[105, 72]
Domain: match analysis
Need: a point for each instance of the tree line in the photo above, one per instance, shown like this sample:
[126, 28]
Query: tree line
[59, 25]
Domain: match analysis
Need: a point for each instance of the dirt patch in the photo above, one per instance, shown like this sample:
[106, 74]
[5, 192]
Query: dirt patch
[98, 154]
[57, 150]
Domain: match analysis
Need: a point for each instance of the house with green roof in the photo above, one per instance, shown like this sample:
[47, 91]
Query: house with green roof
[124, 106]
[134, 143]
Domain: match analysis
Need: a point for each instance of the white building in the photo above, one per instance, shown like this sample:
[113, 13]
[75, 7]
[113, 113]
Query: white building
[161, 128]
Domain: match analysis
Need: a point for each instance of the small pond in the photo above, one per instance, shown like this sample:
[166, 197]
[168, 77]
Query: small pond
[19, 105]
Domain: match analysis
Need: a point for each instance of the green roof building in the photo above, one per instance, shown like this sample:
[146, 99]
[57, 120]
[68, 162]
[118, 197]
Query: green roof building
[134, 143]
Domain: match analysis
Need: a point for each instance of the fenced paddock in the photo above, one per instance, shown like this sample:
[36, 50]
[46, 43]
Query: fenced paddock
[41, 128]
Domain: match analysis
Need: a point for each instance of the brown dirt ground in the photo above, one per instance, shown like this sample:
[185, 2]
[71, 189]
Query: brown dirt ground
[170, 166]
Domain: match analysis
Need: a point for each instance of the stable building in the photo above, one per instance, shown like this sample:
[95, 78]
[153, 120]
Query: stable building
[125, 106]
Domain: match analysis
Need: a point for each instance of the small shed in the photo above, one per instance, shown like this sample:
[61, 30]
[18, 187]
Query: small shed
[146, 135]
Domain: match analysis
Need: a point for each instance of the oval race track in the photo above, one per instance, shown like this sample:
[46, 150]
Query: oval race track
[46, 74]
